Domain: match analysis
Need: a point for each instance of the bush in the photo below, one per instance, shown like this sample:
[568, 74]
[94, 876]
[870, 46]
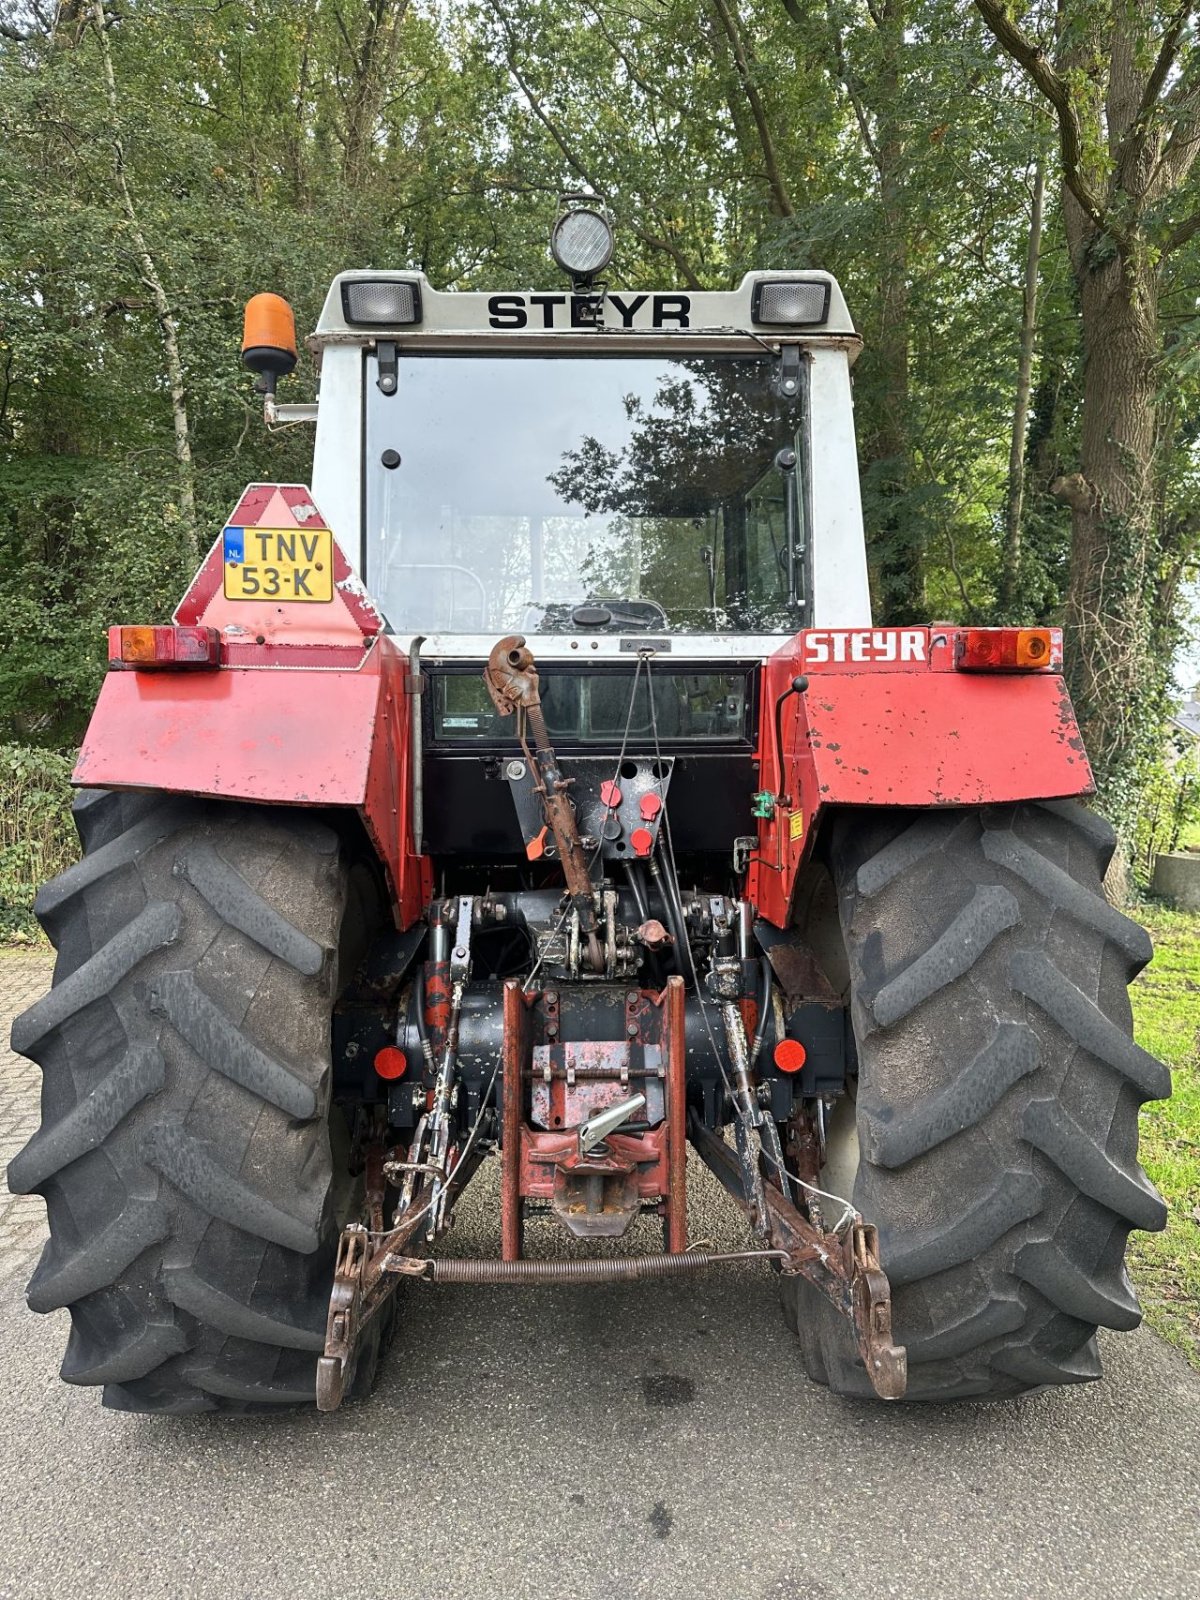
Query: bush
[1170, 807]
[37, 836]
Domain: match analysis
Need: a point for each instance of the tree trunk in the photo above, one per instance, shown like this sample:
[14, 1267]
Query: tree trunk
[1121, 82]
[1109, 590]
[895, 542]
[297, 133]
[901, 557]
[373, 59]
[148, 273]
[1014, 506]
[746, 67]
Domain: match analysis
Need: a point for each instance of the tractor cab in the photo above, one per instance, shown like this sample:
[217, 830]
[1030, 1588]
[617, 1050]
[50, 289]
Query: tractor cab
[594, 469]
[612, 476]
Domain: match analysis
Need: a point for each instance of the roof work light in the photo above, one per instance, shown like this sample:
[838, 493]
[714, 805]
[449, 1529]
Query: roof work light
[581, 240]
[796, 302]
[381, 302]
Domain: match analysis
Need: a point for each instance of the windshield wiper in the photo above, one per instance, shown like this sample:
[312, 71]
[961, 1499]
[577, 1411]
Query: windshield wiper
[622, 614]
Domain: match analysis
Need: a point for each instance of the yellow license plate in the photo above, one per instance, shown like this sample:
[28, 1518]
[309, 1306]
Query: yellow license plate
[278, 564]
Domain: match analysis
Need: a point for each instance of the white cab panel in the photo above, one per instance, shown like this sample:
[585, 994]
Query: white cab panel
[841, 596]
[337, 454]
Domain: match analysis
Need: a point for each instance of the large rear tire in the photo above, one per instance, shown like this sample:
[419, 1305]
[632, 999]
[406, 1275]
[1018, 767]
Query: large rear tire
[998, 1095]
[192, 1174]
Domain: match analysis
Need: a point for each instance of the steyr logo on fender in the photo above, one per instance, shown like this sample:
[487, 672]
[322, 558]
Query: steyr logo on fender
[865, 645]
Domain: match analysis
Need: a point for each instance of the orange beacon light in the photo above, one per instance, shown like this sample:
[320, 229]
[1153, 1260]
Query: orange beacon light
[269, 339]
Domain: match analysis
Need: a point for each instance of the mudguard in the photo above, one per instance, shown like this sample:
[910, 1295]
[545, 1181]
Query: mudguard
[308, 707]
[888, 719]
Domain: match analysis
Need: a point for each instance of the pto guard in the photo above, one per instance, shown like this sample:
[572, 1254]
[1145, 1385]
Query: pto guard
[886, 719]
[340, 735]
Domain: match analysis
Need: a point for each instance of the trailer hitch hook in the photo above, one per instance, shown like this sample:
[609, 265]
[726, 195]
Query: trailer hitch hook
[886, 1362]
[342, 1324]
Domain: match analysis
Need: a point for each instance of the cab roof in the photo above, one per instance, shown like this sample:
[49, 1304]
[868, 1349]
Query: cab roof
[365, 305]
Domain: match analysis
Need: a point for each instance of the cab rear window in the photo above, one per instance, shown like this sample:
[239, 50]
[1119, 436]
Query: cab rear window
[593, 707]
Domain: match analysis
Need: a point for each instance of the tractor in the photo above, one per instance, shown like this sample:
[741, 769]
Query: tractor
[533, 792]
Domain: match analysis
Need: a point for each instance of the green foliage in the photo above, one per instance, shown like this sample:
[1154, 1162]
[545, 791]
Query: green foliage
[80, 546]
[271, 143]
[1169, 809]
[37, 836]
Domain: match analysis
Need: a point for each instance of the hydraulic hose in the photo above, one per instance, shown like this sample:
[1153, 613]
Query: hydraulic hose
[674, 914]
[419, 1003]
[764, 1005]
[639, 892]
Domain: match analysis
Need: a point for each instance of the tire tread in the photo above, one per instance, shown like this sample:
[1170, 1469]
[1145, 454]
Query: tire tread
[183, 1155]
[1005, 1186]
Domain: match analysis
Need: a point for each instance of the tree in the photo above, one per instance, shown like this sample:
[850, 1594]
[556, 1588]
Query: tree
[877, 88]
[152, 281]
[1015, 499]
[1122, 78]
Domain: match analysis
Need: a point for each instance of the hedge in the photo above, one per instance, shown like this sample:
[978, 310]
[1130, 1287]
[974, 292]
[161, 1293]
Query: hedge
[37, 836]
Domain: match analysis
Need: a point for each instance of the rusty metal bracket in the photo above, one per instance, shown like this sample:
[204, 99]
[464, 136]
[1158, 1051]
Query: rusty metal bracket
[365, 1278]
[510, 676]
[343, 1327]
[844, 1267]
[512, 682]
[885, 1361]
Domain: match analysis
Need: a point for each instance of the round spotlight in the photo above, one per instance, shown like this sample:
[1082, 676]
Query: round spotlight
[582, 243]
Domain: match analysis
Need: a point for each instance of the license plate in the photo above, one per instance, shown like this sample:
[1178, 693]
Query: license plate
[278, 564]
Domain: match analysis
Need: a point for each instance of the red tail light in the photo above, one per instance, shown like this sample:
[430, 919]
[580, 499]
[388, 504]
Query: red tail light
[1008, 649]
[790, 1055]
[156, 649]
[391, 1062]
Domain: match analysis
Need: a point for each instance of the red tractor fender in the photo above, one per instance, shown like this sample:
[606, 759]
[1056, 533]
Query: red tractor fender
[308, 705]
[888, 717]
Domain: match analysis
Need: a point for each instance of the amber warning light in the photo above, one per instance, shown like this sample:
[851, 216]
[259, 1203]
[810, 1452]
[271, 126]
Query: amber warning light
[163, 648]
[1008, 649]
[269, 339]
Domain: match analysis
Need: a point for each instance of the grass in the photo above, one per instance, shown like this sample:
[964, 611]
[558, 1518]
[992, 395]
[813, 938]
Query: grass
[1166, 1012]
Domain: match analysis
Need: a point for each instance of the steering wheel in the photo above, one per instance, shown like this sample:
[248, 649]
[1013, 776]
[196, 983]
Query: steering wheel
[455, 572]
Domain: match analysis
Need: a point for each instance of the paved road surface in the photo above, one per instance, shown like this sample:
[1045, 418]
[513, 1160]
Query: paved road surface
[653, 1440]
